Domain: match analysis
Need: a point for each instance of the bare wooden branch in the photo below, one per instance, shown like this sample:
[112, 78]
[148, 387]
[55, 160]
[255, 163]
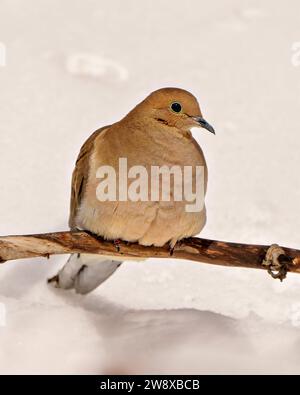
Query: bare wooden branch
[193, 249]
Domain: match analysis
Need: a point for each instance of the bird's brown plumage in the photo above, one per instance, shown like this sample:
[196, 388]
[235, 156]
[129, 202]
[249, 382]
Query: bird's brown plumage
[149, 135]
[80, 176]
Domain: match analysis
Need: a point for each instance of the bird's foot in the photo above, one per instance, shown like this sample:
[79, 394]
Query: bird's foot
[172, 246]
[276, 262]
[117, 243]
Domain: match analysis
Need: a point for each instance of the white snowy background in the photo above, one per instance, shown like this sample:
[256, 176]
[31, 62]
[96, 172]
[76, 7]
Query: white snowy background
[73, 66]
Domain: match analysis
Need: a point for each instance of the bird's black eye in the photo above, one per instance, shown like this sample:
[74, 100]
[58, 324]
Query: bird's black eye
[176, 107]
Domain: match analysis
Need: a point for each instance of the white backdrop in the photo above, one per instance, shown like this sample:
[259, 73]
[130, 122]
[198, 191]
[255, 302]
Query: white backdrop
[73, 66]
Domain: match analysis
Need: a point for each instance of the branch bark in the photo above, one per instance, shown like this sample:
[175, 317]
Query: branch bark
[193, 249]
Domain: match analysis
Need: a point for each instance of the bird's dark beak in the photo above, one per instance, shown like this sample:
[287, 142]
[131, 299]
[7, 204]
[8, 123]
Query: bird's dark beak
[200, 121]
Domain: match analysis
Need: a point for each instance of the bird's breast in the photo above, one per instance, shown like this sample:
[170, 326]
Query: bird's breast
[152, 218]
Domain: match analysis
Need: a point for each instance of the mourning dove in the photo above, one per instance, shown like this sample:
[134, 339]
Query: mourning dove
[155, 133]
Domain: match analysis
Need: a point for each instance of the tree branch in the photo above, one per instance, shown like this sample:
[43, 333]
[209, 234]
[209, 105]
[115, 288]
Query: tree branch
[273, 259]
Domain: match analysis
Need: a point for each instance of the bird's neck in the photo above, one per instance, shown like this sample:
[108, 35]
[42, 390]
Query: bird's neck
[153, 126]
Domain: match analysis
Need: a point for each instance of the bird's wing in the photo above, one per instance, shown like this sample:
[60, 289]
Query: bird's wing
[80, 175]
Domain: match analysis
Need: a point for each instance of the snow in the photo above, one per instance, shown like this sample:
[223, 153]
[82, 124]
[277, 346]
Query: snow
[95, 66]
[73, 67]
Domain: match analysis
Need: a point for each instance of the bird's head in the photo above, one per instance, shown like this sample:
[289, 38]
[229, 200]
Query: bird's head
[175, 108]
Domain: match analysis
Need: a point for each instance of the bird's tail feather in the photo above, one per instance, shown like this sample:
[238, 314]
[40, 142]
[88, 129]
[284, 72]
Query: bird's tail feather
[84, 272]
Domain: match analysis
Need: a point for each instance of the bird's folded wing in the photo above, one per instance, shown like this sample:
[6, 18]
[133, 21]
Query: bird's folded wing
[80, 175]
